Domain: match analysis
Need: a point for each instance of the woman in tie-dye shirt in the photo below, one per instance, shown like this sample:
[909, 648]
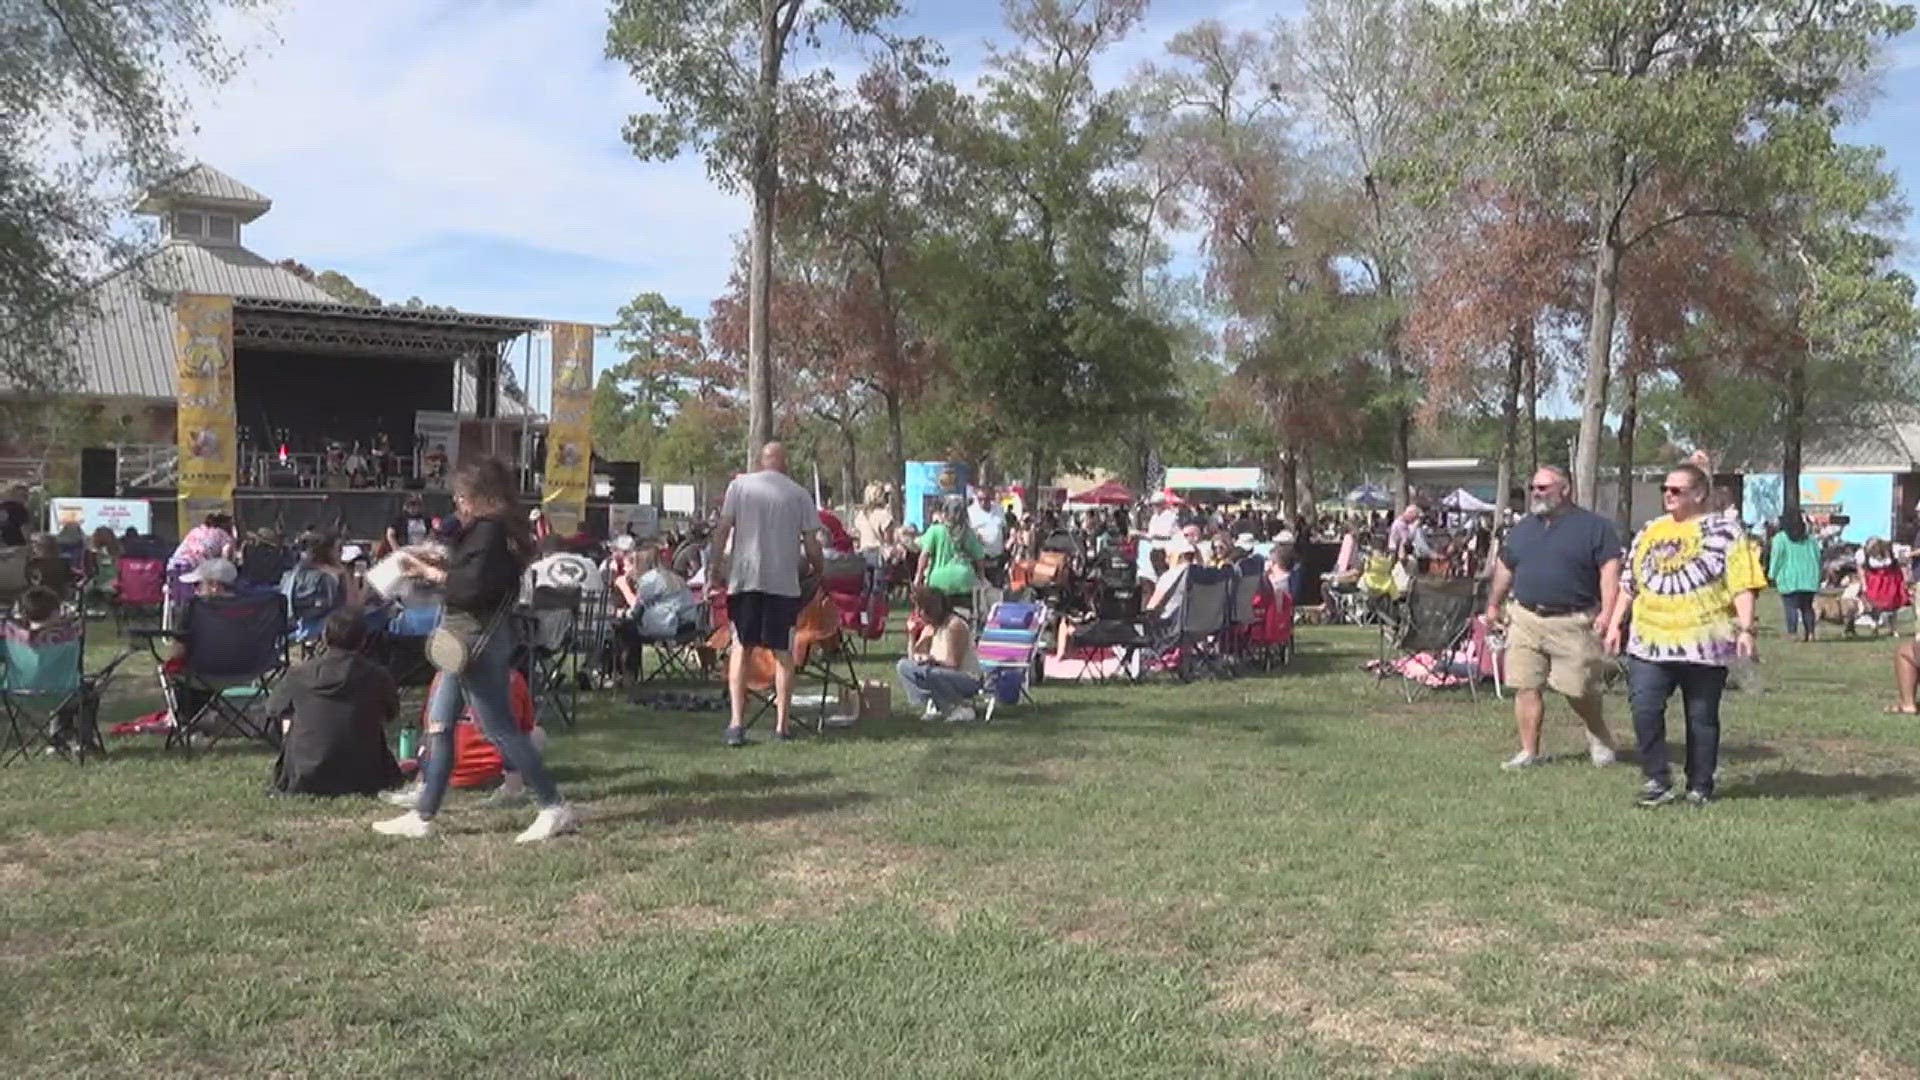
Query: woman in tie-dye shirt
[1688, 585]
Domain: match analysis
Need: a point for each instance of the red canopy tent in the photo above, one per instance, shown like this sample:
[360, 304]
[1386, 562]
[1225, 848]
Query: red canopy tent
[1111, 493]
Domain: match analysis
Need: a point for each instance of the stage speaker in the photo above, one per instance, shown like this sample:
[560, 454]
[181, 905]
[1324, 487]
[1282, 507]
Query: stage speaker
[99, 472]
[626, 480]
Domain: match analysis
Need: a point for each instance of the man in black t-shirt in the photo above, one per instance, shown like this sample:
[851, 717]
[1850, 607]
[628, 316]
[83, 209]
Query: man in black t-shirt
[14, 518]
[411, 527]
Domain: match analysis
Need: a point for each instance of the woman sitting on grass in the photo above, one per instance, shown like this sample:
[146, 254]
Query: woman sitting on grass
[340, 704]
[941, 671]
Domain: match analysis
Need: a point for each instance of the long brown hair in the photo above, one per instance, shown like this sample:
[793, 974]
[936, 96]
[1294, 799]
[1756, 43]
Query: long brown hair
[489, 485]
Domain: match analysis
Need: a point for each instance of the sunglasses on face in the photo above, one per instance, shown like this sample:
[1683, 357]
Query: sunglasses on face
[1671, 490]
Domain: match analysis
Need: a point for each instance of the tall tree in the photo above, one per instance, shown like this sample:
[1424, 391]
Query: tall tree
[90, 105]
[1031, 297]
[666, 366]
[867, 174]
[716, 70]
[1615, 98]
[1363, 68]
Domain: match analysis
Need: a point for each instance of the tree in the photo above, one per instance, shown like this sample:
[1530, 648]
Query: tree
[666, 368]
[336, 284]
[93, 101]
[1029, 288]
[1613, 100]
[714, 69]
[1364, 70]
[867, 174]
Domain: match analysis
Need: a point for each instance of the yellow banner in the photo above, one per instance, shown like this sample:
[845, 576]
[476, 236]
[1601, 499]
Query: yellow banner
[203, 361]
[569, 475]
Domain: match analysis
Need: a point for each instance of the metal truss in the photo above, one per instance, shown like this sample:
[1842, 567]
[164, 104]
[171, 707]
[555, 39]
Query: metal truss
[348, 328]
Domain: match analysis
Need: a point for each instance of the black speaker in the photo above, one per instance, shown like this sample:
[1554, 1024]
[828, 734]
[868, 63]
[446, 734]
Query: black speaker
[99, 472]
[625, 476]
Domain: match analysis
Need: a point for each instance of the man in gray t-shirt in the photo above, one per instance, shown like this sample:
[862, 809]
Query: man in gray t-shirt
[772, 524]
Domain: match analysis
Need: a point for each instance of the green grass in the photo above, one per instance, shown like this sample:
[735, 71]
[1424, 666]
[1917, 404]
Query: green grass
[1287, 875]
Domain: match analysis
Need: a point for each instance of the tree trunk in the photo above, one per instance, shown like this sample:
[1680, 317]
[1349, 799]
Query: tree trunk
[1793, 439]
[1510, 417]
[1629, 425]
[1036, 460]
[1593, 395]
[849, 494]
[1533, 402]
[896, 456]
[764, 168]
[1402, 427]
[1289, 483]
[1307, 495]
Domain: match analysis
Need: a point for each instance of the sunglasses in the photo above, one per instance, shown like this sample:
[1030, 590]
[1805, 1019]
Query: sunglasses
[1671, 490]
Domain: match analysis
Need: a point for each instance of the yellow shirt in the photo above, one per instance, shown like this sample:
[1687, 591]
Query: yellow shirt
[1683, 576]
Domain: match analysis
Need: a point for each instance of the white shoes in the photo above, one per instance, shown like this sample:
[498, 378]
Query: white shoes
[1601, 754]
[549, 823]
[962, 714]
[511, 792]
[409, 826]
[405, 798]
[1521, 760]
[932, 712]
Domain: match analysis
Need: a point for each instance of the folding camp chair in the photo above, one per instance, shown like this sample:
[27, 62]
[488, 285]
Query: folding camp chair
[1009, 643]
[236, 652]
[678, 655]
[1433, 645]
[140, 591]
[1194, 641]
[47, 695]
[1243, 614]
[550, 660]
[822, 658]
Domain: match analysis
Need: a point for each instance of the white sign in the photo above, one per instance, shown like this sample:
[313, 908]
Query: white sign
[677, 498]
[645, 497]
[437, 431]
[645, 520]
[90, 514]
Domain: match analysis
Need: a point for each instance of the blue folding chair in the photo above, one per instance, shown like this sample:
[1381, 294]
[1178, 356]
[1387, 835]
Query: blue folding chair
[236, 652]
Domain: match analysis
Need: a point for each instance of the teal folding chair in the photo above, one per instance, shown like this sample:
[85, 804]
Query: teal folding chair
[46, 693]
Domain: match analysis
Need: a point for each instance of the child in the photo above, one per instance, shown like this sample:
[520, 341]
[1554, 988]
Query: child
[1885, 587]
[49, 569]
[40, 618]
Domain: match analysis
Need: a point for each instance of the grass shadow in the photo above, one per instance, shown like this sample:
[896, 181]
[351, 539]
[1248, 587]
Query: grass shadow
[740, 809]
[1799, 784]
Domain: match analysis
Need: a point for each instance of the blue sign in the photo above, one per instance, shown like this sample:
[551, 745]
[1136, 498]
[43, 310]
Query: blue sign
[927, 483]
[1865, 499]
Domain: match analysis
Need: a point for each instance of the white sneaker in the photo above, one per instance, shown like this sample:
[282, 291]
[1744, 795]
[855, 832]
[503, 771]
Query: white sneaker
[1601, 754]
[932, 712]
[962, 714]
[511, 792]
[409, 825]
[405, 798]
[549, 823]
[1521, 760]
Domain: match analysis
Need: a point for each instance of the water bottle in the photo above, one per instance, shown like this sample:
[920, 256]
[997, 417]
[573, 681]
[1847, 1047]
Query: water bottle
[409, 742]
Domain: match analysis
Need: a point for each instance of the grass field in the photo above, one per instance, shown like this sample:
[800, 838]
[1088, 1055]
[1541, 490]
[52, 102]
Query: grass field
[1294, 875]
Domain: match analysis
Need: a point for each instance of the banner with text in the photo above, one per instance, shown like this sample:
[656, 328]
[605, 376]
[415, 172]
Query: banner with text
[569, 434]
[203, 372]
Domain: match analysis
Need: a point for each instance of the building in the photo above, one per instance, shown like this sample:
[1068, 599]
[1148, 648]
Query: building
[1870, 481]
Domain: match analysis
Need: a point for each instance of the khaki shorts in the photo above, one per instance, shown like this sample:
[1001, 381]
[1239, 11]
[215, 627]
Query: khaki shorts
[1558, 651]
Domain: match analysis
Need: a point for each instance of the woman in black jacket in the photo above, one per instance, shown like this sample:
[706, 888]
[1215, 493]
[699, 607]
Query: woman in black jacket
[481, 579]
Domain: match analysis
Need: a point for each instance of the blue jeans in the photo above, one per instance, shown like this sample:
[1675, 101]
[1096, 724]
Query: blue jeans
[1799, 608]
[484, 687]
[1650, 684]
[944, 686]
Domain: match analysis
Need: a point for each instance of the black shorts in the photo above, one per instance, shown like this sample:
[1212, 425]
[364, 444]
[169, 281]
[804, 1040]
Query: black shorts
[764, 620]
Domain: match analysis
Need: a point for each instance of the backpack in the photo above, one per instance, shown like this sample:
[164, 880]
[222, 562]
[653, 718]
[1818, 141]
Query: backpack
[312, 594]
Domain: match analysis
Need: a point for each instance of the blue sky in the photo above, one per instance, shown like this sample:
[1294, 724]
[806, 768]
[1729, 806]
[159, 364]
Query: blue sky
[469, 152]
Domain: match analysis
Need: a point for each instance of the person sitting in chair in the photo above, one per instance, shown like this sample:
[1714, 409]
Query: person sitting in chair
[340, 703]
[38, 618]
[212, 578]
[1164, 604]
[47, 568]
[656, 598]
[941, 670]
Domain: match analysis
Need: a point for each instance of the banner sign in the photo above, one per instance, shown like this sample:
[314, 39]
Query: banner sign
[117, 515]
[1864, 499]
[203, 363]
[643, 520]
[678, 499]
[569, 433]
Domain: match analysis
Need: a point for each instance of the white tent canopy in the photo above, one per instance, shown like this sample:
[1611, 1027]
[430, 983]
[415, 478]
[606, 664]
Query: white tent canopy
[1467, 501]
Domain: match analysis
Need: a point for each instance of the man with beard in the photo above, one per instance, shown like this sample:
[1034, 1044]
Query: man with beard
[1562, 565]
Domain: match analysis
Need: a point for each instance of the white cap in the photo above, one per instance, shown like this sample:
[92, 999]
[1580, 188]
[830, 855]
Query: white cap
[218, 571]
[352, 553]
[1244, 540]
[1285, 536]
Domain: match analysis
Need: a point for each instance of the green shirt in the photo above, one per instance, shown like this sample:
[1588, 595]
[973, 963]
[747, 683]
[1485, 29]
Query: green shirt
[951, 558]
[1794, 567]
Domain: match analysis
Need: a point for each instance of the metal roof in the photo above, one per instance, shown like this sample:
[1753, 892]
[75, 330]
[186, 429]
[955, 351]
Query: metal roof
[205, 186]
[1890, 446]
[124, 346]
